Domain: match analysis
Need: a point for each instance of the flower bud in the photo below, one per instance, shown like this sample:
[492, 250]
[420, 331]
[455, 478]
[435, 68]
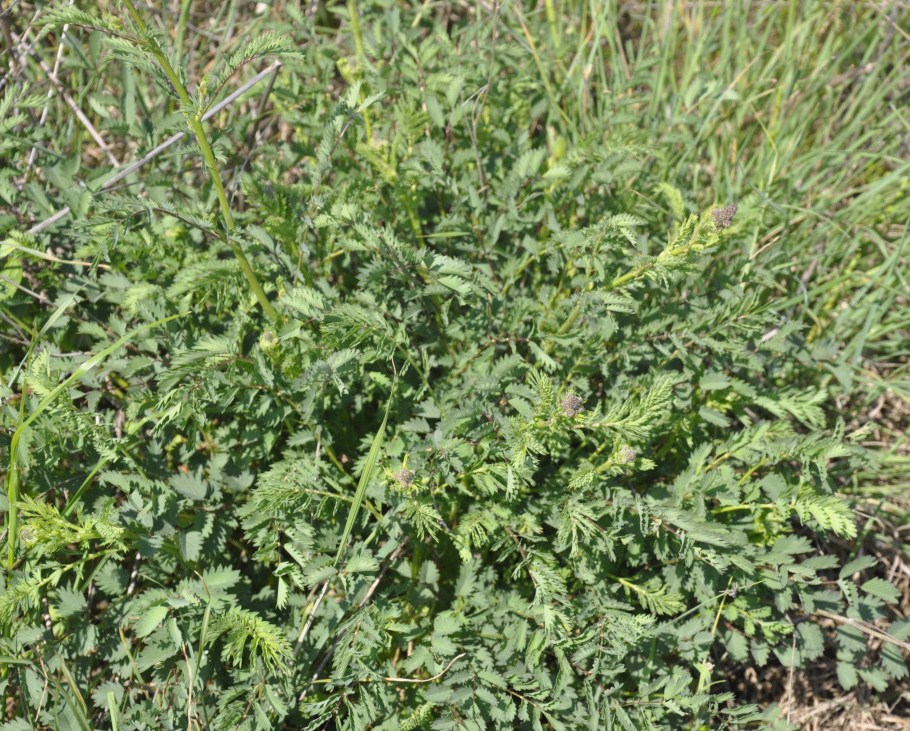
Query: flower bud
[268, 341]
[627, 454]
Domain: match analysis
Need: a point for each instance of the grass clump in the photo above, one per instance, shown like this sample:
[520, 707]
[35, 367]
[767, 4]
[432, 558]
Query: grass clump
[489, 370]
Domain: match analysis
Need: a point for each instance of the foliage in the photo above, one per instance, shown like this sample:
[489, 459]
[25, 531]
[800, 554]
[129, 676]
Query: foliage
[444, 395]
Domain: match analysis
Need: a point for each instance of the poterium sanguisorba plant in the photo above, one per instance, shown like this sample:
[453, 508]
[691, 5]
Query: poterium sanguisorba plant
[530, 442]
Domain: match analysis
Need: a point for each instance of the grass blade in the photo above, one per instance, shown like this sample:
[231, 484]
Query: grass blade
[114, 710]
[368, 469]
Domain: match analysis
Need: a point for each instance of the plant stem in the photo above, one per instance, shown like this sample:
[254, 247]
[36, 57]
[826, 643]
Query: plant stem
[551, 21]
[195, 123]
[181, 28]
[361, 60]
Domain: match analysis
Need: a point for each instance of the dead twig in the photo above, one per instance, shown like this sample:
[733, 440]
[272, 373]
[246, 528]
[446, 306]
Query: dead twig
[6, 30]
[22, 47]
[366, 598]
[864, 627]
[312, 616]
[428, 680]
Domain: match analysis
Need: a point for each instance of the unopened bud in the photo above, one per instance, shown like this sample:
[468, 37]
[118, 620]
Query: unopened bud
[27, 535]
[627, 454]
[268, 341]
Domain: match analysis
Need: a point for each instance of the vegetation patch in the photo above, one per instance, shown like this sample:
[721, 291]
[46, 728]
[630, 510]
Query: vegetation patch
[454, 366]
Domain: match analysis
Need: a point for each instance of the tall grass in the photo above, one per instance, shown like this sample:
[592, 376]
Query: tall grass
[798, 109]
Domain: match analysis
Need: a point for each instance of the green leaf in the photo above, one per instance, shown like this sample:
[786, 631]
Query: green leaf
[860, 563]
[875, 677]
[17, 724]
[893, 661]
[847, 675]
[713, 382]
[361, 563]
[70, 602]
[737, 646]
[882, 589]
[10, 276]
[150, 621]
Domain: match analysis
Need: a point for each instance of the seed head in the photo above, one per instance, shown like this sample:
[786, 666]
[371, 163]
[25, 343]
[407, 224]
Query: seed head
[405, 477]
[723, 217]
[572, 404]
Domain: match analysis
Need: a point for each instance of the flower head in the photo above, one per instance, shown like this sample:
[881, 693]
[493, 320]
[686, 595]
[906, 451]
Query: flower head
[572, 404]
[405, 477]
[723, 217]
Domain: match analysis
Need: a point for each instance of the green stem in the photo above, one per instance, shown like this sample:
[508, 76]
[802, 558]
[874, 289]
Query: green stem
[566, 326]
[181, 28]
[629, 276]
[576, 311]
[74, 499]
[12, 497]
[203, 638]
[361, 58]
[195, 124]
[551, 20]
[744, 506]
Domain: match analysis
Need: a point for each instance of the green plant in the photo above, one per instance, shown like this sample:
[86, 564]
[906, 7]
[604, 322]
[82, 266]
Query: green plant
[533, 433]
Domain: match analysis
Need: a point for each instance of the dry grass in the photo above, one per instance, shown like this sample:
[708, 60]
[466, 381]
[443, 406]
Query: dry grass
[814, 701]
